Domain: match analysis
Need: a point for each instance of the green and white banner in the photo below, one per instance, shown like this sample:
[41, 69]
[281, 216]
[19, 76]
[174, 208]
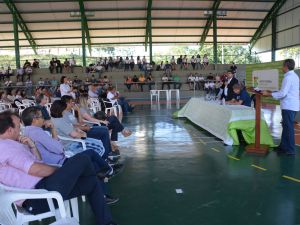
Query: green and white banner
[265, 76]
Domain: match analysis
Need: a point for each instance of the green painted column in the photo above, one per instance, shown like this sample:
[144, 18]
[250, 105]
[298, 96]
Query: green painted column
[150, 41]
[274, 39]
[215, 37]
[16, 38]
[83, 44]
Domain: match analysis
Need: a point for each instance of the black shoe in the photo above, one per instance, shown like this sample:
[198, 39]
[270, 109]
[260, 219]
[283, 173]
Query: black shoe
[116, 172]
[113, 155]
[290, 153]
[112, 162]
[110, 199]
[279, 150]
[105, 173]
[116, 152]
[118, 166]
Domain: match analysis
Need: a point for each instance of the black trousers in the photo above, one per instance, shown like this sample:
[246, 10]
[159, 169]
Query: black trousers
[75, 178]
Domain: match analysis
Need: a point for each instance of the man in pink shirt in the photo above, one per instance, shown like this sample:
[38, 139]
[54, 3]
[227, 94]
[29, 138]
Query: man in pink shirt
[21, 167]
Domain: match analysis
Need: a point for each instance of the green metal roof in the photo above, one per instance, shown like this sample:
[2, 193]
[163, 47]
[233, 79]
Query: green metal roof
[49, 23]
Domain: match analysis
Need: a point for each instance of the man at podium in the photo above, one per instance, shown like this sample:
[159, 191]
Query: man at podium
[289, 104]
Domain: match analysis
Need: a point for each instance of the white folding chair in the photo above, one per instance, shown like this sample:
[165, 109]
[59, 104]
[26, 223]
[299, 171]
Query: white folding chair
[11, 214]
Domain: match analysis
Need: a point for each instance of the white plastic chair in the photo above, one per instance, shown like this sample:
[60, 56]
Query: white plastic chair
[73, 139]
[153, 93]
[21, 107]
[9, 195]
[28, 102]
[5, 106]
[111, 110]
[94, 104]
[48, 106]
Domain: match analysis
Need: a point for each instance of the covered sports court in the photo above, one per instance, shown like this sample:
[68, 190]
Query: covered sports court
[175, 172]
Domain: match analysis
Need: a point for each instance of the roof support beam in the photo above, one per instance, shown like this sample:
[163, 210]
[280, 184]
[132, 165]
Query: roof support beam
[14, 11]
[209, 22]
[84, 25]
[16, 39]
[215, 37]
[269, 17]
[149, 29]
[274, 38]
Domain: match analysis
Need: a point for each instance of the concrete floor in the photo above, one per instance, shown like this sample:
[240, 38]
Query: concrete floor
[221, 184]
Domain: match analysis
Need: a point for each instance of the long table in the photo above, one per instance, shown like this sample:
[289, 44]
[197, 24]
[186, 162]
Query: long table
[223, 121]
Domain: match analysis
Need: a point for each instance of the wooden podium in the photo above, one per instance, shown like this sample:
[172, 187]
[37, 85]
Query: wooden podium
[257, 148]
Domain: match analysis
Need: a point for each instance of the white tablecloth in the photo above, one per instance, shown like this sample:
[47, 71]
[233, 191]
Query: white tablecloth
[214, 117]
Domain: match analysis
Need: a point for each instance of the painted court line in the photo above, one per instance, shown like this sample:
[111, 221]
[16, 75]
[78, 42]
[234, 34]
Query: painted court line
[291, 178]
[214, 149]
[258, 167]
[202, 142]
[232, 157]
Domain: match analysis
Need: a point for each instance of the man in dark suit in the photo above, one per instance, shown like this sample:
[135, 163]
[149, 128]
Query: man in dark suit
[231, 82]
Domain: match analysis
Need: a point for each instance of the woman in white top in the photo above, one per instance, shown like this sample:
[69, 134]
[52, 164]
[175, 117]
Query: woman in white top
[65, 88]
[198, 62]
[173, 63]
[127, 64]
[205, 61]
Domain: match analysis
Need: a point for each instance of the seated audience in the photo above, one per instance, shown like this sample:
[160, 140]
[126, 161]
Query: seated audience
[99, 133]
[176, 82]
[23, 161]
[112, 122]
[115, 99]
[149, 81]
[28, 71]
[41, 100]
[142, 80]
[165, 81]
[65, 88]
[50, 147]
[128, 83]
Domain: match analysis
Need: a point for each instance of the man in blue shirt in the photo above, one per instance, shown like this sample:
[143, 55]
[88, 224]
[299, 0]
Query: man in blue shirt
[241, 96]
[289, 104]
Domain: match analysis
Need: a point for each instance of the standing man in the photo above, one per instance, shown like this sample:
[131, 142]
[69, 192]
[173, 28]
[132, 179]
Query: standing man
[231, 82]
[289, 104]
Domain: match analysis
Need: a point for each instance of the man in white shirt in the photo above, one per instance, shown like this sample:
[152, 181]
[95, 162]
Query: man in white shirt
[289, 104]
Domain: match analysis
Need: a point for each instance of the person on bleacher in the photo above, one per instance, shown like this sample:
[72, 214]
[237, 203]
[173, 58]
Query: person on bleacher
[22, 167]
[26, 64]
[65, 88]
